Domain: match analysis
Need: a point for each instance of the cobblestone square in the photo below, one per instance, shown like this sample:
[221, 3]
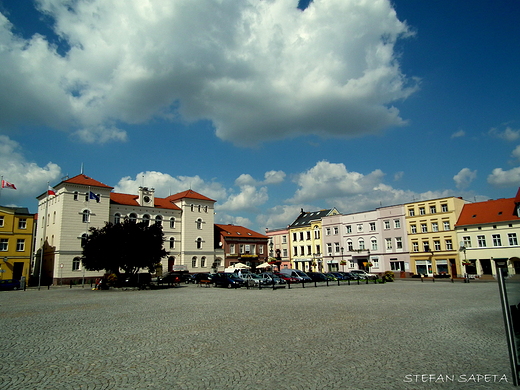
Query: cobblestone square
[401, 335]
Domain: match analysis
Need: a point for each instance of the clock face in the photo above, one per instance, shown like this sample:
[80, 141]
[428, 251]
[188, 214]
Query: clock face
[146, 199]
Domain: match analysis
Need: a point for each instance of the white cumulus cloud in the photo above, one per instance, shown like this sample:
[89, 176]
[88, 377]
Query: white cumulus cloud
[259, 70]
[501, 178]
[464, 178]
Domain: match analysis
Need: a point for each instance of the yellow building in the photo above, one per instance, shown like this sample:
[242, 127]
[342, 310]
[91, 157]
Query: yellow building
[305, 240]
[432, 239]
[16, 241]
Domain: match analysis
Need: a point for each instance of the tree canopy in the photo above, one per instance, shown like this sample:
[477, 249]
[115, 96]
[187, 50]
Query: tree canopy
[126, 246]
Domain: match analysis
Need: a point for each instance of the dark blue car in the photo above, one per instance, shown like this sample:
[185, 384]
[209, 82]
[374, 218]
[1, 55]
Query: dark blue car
[9, 284]
[228, 280]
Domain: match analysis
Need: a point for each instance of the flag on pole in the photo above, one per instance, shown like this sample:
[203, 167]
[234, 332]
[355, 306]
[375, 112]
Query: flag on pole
[6, 184]
[93, 196]
[50, 191]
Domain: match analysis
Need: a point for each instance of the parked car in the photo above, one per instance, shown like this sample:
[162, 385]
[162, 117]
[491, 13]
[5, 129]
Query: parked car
[9, 284]
[296, 273]
[317, 276]
[286, 278]
[228, 280]
[348, 276]
[253, 280]
[330, 276]
[269, 278]
[363, 274]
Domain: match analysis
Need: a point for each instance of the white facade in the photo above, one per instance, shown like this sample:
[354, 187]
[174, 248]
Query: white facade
[64, 218]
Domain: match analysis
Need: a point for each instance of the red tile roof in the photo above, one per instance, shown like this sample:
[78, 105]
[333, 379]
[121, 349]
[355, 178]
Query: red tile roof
[132, 200]
[190, 194]
[85, 180]
[500, 210]
[238, 232]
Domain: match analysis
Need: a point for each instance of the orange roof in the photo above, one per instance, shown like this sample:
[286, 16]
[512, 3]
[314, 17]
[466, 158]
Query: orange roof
[500, 210]
[85, 180]
[238, 232]
[190, 194]
[132, 200]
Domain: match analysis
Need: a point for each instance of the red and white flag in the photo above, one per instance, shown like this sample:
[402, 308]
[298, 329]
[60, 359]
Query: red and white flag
[6, 184]
[50, 191]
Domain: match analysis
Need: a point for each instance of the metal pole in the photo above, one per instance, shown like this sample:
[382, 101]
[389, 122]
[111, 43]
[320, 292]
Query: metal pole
[510, 336]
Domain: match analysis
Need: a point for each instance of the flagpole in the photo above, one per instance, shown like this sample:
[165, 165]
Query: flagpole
[44, 232]
[1, 185]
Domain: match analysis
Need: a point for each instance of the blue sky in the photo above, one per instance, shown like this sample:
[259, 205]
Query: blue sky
[264, 107]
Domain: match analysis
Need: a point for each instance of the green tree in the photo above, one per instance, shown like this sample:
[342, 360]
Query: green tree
[126, 246]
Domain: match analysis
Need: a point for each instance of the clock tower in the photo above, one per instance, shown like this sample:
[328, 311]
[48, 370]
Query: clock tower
[146, 196]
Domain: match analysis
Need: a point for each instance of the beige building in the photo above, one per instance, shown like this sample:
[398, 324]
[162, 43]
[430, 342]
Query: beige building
[78, 203]
[432, 239]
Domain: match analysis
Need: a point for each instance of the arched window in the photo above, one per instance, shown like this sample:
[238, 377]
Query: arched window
[117, 218]
[191, 207]
[203, 262]
[361, 243]
[76, 195]
[133, 217]
[172, 242]
[83, 239]
[86, 216]
[86, 197]
[205, 209]
[158, 220]
[199, 208]
[199, 223]
[194, 262]
[199, 243]
[146, 219]
[75, 263]
[172, 223]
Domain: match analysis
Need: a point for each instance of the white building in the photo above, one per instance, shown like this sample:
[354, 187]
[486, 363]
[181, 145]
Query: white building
[487, 231]
[81, 202]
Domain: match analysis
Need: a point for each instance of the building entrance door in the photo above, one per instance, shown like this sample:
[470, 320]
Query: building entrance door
[486, 266]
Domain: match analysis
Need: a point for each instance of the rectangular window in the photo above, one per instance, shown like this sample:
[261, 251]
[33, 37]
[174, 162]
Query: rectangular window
[260, 249]
[512, 239]
[415, 246]
[1, 221]
[362, 245]
[437, 245]
[336, 247]
[414, 229]
[301, 236]
[329, 248]
[388, 243]
[248, 248]
[284, 251]
[349, 228]
[20, 245]
[374, 244]
[372, 226]
[433, 209]
[327, 231]
[295, 250]
[241, 248]
[4, 244]
[411, 212]
[399, 243]
[444, 208]
[309, 235]
[449, 245]
[435, 227]
[467, 241]
[232, 249]
[309, 250]
[422, 211]
[284, 239]
[294, 237]
[481, 241]
[22, 223]
[446, 225]
[397, 223]
[302, 250]
[497, 241]
[424, 228]
[350, 247]
[387, 224]
[336, 230]
[318, 249]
